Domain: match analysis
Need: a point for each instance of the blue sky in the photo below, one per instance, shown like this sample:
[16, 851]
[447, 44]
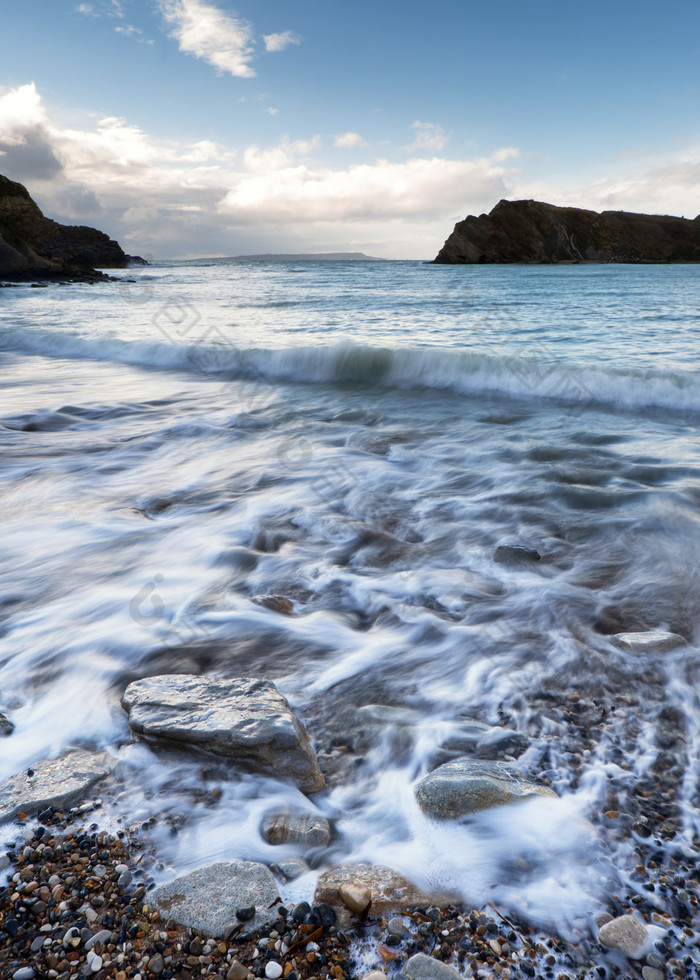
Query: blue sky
[210, 127]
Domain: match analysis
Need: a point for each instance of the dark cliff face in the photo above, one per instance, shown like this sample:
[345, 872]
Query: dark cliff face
[35, 247]
[529, 231]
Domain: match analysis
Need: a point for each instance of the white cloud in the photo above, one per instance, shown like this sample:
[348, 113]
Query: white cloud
[348, 140]
[178, 198]
[278, 42]
[224, 41]
[135, 33]
[107, 8]
[272, 111]
[429, 136]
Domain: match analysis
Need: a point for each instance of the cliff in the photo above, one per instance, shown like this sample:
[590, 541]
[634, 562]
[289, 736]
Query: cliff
[530, 231]
[35, 247]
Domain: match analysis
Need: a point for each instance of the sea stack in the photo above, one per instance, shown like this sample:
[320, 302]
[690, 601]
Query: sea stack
[33, 247]
[533, 232]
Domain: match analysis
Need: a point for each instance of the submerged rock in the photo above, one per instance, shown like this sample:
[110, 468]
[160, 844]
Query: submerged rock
[399, 728]
[627, 934]
[277, 603]
[238, 717]
[466, 786]
[52, 782]
[208, 898]
[508, 554]
[649, 641]
[6, 726]
[294, 827]
[291, 869]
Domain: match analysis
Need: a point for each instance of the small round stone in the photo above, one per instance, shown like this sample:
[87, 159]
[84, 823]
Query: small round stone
[246, 913]
[273, 970]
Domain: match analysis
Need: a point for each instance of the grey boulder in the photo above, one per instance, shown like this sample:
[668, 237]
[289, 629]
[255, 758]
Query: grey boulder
[466, 786]
[294, 827]
[649, 641]
[52, 782]
[238, 717]
[422, 967]
[6, 726]
[208, 898]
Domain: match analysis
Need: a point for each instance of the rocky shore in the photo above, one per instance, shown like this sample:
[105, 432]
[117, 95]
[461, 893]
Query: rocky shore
[81, 898]
[35, 248]
[534, 232]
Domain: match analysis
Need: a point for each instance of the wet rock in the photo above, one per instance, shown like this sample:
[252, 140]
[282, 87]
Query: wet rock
[652, 973]
[208, 898]
[397, 927]
[422, 967]
[292, 869]
[388, 890]
[398, 727]
[374, 975]
[239, 717]
[295, 827]
[6, 726]
[650, 641]
[278, 603]
[627, 934]
[52, 782]
[507, 554]
[466, 786]
[237, 971]
[357, 898]
[485, 741]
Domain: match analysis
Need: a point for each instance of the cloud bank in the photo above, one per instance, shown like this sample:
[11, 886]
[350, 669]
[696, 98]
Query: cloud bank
[173, 198]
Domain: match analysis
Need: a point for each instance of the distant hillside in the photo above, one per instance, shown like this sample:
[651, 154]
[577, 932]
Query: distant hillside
[35, 247]
[311, 256]
[531, 231]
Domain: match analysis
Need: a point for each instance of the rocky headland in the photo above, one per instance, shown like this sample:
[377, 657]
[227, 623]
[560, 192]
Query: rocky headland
[36, 248]
[534, 232]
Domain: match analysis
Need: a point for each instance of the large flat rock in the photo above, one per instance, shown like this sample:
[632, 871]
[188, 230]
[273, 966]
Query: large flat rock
[466, 786]
[649, 641]
[238, 717]
[52, 782]
[208, 898]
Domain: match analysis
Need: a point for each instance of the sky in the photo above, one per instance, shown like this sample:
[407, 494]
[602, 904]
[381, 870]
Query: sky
[191, 128]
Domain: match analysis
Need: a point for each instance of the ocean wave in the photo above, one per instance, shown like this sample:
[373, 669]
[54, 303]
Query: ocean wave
[463, 372]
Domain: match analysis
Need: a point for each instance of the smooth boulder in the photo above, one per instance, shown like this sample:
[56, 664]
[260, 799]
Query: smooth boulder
[52, 782]
[627, 934]
[208, 898]
[466, 786]
[6, 726]
[423, 967]
[239, 717]
[649, 641]
[294, 827]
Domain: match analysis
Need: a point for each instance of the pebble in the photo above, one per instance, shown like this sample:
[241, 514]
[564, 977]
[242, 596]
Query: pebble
[651, 973]
[273, 970]
[24, 973]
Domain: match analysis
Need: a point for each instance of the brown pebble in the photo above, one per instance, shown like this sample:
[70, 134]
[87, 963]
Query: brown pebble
[357, 898]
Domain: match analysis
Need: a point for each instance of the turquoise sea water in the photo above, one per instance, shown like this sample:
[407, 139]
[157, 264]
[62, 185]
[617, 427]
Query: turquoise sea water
[360, 438]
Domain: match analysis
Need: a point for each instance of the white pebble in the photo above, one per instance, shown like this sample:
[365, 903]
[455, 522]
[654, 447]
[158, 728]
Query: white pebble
[96, 964]
[121, 868]
[273, 970]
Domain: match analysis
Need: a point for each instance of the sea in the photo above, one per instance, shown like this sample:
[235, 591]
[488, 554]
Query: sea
[366, 440]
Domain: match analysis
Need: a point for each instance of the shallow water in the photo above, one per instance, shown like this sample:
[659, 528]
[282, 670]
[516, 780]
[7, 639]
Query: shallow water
[361, 438]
